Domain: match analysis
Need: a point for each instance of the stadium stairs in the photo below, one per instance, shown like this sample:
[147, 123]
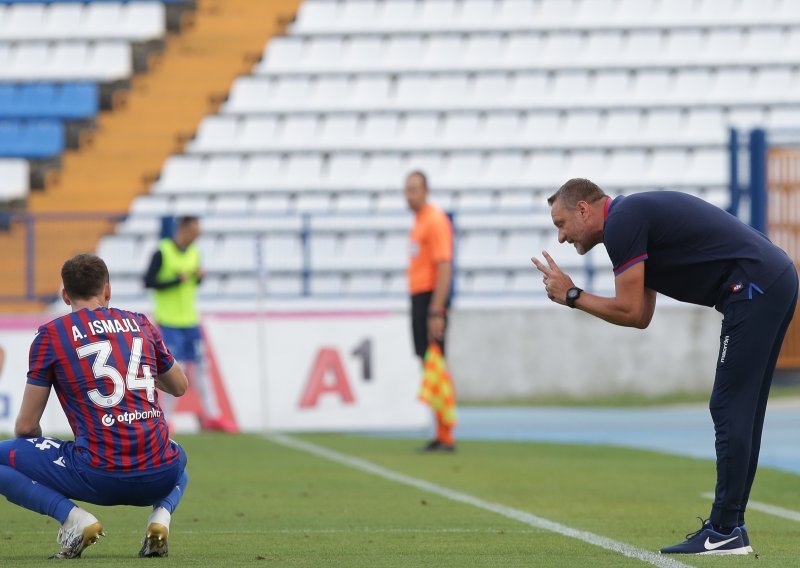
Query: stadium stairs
[221, 40]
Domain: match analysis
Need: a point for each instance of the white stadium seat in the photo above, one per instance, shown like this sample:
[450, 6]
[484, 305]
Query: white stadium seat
[132, 21]
[66, 61]
[127, 254]
[497, 101]
[14, 179]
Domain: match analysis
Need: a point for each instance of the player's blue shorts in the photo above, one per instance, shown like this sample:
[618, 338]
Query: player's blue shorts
[53, 463]
[185, 343]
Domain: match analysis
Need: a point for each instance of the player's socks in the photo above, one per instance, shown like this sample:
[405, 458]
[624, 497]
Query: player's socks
[445, 435]
[77, 533]
[724, 530]
[21, 490]
[155, 543]
[171, 501]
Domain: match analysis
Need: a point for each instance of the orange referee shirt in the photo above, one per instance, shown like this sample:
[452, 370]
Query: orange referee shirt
[431, 242]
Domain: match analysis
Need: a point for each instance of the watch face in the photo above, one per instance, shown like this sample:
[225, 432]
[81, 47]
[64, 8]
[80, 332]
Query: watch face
[573, 293]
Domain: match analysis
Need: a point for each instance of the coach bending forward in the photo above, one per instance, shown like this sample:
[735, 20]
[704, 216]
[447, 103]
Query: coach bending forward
[692, 251]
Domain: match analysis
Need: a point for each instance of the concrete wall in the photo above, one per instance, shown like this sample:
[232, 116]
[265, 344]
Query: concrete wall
[504, 353]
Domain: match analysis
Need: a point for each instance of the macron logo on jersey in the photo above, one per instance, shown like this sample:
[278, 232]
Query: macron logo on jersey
[130, 417]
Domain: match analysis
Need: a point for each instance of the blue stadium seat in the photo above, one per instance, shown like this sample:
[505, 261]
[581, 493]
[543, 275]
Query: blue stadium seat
[68, 101]
[37, 139]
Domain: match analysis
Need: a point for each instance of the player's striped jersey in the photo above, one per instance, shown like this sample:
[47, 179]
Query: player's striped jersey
[102, 364]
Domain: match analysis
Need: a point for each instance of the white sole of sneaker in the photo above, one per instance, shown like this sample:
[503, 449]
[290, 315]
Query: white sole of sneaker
[739, 551]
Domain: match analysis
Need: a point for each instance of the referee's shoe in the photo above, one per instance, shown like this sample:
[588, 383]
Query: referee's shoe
[709, 541]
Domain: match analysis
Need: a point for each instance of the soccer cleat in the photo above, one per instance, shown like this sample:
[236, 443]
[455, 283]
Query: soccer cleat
[438, 446]
[154, 544]
[79, 531]
[745, 538]
[708, 541]
[155, 540]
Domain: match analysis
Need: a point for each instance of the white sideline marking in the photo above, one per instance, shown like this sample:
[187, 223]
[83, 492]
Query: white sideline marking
[773, 510]
[514, 514]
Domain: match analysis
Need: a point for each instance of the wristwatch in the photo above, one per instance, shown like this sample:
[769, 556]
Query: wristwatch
[572, 295]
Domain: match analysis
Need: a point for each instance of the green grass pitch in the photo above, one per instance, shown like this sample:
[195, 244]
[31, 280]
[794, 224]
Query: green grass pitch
[252, 502]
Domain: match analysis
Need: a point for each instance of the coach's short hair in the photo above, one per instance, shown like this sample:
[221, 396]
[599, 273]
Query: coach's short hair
[84, 276]
[421, 175]
[574, 190]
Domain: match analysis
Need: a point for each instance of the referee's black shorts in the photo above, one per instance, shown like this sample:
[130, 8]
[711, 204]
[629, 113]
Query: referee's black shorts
[419, 322]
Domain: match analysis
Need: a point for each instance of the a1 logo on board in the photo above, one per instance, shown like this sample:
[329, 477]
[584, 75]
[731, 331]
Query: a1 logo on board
[328, 375]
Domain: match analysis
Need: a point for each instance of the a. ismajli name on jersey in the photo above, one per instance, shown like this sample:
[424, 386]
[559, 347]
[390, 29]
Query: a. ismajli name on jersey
[101, 326]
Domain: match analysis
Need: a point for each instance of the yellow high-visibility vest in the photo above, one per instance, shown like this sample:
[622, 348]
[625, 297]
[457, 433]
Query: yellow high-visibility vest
[176, 306]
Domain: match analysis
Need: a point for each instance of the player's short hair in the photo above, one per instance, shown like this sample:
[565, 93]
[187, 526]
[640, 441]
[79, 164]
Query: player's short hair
[187, 220]
[574, 190]
[84, 276]
[421, 175]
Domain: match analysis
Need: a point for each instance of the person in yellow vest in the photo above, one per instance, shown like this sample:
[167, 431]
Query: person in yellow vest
[174, 274]
[430, 274]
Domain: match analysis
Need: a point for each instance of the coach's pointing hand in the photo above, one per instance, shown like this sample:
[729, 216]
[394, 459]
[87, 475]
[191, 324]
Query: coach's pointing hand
[556, 283]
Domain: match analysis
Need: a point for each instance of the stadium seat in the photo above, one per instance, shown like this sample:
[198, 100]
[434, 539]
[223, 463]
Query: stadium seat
[89, 1]
[140, 225]
[273, 202]
[233, 253]
[246, 286]
[14, 179]
[151, 205]
[128, 254]
[133, 21]
[237, 204]
[65, 101]
[321, 16]
[37, 139]
[391, 202]
[282, 251]
[498, 101]
[277, 285]
[340, 130]
[65, 61]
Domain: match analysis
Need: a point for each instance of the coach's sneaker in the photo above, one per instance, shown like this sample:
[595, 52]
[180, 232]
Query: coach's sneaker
[708, 541]
[79, 531]
[155, 539]
[745, 538]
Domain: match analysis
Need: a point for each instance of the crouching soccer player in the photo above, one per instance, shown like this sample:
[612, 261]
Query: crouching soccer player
[105, 365]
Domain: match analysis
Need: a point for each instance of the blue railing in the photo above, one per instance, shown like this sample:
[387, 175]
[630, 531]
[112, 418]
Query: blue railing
[748, 156]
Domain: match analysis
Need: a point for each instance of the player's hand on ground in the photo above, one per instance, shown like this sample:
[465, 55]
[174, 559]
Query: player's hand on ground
[556, 282]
